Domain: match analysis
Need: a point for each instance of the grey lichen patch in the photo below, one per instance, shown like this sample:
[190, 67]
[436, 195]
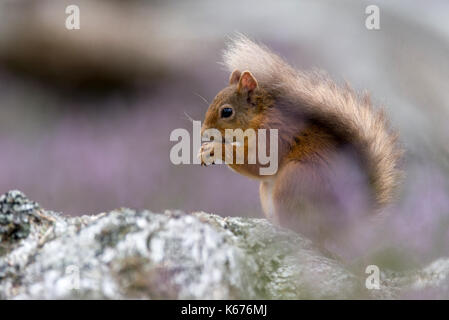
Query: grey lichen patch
[16, 215]
[140, 254]
[24, 228]
[127, 254]
[287, 266]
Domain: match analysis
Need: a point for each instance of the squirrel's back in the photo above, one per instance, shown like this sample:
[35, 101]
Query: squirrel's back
[348, 115]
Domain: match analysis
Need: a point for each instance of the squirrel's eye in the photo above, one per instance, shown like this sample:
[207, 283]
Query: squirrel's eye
[226, 112]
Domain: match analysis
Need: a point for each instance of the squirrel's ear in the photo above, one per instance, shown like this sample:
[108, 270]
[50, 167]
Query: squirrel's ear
[247, 82]
[235, 77]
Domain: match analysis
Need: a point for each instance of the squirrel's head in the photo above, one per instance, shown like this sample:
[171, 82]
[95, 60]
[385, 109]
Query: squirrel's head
[238, 105]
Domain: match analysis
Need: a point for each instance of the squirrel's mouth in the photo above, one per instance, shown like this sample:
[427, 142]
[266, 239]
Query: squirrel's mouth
[224, 141]
[209, 138]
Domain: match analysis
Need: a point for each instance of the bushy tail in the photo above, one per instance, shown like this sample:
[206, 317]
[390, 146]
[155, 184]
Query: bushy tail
[349, 115]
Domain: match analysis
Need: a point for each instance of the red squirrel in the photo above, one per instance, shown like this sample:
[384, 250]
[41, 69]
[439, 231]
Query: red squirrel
[337, 155]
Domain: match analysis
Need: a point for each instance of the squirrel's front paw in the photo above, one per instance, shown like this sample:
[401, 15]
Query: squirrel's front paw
[207, 153]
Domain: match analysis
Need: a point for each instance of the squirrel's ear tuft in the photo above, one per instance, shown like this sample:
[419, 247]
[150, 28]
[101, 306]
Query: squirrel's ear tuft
[235, 77]
[247, 82]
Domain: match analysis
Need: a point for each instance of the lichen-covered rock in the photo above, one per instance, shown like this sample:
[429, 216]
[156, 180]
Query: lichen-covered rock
[16, 215]
[139, 254]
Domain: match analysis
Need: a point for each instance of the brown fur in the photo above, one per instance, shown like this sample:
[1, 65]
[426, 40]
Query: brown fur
[349, 115]
[314, 118]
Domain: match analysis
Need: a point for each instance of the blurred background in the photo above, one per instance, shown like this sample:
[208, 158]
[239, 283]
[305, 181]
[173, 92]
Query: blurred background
[85, 115]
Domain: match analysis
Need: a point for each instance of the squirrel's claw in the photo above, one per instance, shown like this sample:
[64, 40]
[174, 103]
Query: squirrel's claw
[206, 154]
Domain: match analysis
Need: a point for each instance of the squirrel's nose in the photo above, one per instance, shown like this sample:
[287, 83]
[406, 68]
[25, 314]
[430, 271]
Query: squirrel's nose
[204, 133]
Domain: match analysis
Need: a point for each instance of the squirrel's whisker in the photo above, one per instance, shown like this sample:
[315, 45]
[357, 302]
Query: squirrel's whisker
[188, 117]
[202, 98]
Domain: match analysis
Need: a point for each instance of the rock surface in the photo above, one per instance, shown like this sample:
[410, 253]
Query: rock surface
[126, 254]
